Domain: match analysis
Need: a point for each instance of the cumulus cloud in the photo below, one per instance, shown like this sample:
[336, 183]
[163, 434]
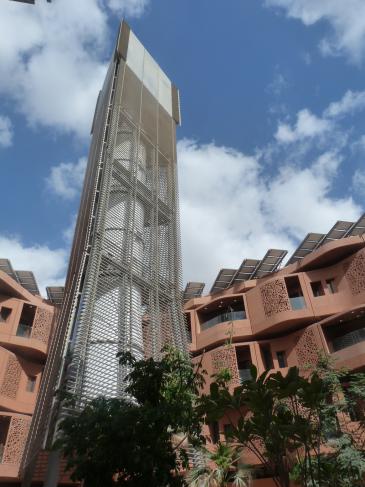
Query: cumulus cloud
[358, 182]
[53, 59]
[232, 209]
[351, 102]
[307, 125]
[66, 179]
[128, 7]
[346, 18]
[48, 265]
[6, 131]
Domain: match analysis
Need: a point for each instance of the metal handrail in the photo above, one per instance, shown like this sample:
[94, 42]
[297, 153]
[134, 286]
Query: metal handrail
[229, 316]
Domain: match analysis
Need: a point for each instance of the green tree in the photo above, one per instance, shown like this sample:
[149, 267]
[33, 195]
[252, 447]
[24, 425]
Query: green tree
[223, 468]
[287, 421]
[133, 442]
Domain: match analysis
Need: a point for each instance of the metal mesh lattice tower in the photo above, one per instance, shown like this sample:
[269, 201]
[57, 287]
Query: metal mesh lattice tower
[123, 288]
[129, 286]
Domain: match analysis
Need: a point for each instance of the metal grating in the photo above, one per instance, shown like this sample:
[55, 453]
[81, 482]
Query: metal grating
[5, 266]
[269, 263]
[193, 290]
[55, 294]
[27, 280]
[223, 280]
[339, 230]
[357, 228]
[311, 242]
[245, 271]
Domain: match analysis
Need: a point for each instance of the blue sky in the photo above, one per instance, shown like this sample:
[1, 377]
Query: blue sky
[273, 107]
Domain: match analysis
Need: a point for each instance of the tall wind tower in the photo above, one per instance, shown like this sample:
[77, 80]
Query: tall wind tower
[123, 289]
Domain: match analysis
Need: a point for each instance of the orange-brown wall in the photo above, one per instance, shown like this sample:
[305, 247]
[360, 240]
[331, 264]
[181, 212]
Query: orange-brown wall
[20, 358]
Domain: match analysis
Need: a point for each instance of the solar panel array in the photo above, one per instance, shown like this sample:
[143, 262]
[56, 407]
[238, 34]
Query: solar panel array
[24, 278]
[193, 290]
[255, 269]
[55, 294]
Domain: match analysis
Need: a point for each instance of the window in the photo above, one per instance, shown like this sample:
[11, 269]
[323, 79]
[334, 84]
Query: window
[214, 432]
[295, 292]
[26, 321]
[4, 314]
[31, 383]
[331, 286]
[281, 359]
[228, 431]
[317, 289]
[267, 357]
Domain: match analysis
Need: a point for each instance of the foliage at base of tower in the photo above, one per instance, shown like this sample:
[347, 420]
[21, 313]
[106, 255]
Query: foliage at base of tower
[298, 425]
[140, 441]
[222, 469]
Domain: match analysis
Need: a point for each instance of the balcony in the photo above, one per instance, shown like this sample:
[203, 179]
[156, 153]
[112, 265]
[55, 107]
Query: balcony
[221, 318]
[349, 339]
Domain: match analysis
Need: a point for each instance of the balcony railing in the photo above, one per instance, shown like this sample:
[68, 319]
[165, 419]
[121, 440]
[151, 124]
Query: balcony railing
[229, 316]
[351, 338]
[245, 374]
[24, 331]
[297, 302]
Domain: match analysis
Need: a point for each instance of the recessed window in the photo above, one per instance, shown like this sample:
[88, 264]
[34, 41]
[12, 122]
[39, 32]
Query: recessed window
[26, 321]
[228, 430]
[31, 382]
[331, 286]
[295, 292]
[267, 357]
[4, 314]
[317, 289]
[214, 432]
[281, 359]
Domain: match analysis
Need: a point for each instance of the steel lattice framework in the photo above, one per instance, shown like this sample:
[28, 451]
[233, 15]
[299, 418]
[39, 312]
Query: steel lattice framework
[123, 289]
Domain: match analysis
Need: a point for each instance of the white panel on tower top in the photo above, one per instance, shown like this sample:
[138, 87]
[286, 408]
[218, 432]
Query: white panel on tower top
[148, 71]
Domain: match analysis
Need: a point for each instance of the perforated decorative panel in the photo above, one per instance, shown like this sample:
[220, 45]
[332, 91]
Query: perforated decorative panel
[17, 436]
[225, 358]
[307, 348]
[275, 297]
[42, 325]
[355, 273]
[10, 384]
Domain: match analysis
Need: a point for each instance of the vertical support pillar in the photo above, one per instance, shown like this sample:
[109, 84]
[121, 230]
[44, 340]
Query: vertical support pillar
[53, 468]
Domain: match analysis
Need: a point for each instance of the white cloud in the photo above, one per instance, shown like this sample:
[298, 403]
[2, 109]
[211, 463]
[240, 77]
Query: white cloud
[347, 19]
[68, 233]
[307, 125]
[53, 59]
[128, 7]
[358, 182]
[278, 84]
[48, 265]
[231, 210]
[66, 179]
[351, 102]
[6, 131]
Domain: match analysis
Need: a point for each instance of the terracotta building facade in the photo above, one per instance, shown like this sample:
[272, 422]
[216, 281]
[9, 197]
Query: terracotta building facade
[26, 324]
[277, 318]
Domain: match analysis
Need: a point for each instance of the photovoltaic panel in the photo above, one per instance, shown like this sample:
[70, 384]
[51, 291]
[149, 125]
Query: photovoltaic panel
[245, 271]
[223, 280]
[358, 228]
[338, 230]
[311, 241]
[55, 294]
[5, 266]
[193, 290]
[27, 280]
[269, 263]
